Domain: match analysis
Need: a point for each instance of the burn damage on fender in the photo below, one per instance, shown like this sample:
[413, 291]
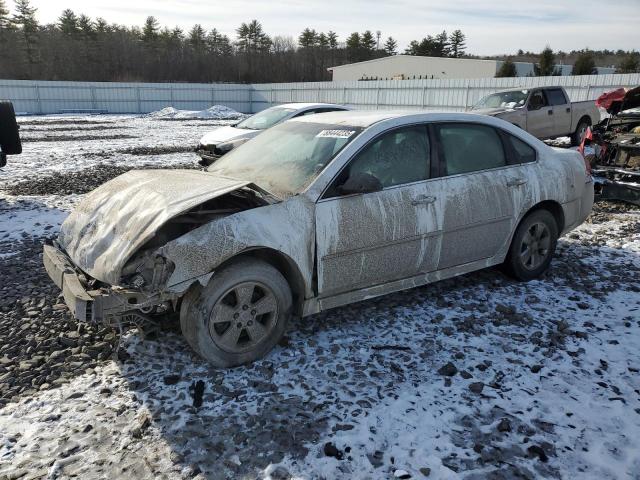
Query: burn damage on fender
[616, 147]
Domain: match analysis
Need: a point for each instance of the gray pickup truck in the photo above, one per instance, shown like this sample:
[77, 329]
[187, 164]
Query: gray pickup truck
[544, 112]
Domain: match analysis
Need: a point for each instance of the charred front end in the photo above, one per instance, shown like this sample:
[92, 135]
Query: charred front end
[107, 260]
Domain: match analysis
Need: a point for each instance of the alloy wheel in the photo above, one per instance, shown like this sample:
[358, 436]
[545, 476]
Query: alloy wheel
[243, 317]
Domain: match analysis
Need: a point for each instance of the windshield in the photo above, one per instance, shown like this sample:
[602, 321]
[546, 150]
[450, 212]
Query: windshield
[266, 118]
[512, 99]
[285, 159]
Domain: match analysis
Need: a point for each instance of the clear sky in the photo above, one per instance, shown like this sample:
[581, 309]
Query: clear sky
[491, 26]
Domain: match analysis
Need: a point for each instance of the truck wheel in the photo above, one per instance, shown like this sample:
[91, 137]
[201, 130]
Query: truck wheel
[239, 316]
[9, 135]
[581, 131]
[532, 246]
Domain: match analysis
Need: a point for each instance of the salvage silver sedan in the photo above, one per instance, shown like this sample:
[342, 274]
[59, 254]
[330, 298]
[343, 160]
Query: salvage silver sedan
[317, 212]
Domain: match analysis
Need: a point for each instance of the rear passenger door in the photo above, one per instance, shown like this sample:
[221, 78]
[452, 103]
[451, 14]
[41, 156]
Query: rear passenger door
[477, 184]
[561, 111]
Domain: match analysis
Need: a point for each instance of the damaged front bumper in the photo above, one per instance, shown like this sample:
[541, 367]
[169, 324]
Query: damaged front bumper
[104, 305]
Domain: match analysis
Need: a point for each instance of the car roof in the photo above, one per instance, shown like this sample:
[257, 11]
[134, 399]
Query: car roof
[366, 118]
[354, 118]
[300, 106]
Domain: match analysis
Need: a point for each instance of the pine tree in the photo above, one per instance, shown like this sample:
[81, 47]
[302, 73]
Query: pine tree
[150, 29]
[308, 38]
[442, 44]
[25, 17]
[353, 47]
[68, 22]
[507, 69]
[197, 37]
[368, 44]
[25, 20]
[332, 37]
[86, 26]
[4, 16]
[218, 44]
[584, 64]
[101, 25]
[457, 44]
[390, 46]
[546, 66]
[252, 39]
[323, 41]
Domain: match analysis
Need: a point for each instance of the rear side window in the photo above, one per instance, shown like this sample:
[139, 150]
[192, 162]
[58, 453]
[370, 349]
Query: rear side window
[521, 152]
[556, 97]
[470, 148]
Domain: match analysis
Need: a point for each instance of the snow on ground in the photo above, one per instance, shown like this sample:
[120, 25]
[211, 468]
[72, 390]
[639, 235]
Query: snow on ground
[67, 143]
[474, 377]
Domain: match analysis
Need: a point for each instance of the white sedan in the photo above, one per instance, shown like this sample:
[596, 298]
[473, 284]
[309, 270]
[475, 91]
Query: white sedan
[317, 212]
[221, 140]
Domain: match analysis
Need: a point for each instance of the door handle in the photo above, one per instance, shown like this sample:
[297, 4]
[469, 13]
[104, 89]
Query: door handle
[517, 182]
[568, 110]
[423, 200]
[550, 112]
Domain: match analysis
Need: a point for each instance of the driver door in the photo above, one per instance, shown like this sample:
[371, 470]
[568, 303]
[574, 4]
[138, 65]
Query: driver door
[539, 115]
[366, 239]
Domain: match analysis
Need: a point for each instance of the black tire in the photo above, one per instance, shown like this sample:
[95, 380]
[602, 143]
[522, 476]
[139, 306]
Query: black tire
[209, 334]
[516, 263]
[576, 138]
[9, 131]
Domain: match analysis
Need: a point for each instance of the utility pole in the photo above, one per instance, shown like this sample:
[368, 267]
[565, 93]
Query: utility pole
[378, 34]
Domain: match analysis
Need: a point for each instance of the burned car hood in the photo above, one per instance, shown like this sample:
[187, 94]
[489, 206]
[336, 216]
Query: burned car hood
[117, 218]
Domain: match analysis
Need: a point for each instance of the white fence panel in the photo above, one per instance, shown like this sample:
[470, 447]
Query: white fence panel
[433, 94]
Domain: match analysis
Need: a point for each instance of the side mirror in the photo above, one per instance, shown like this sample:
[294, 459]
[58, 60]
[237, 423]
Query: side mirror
[360, 183]
[534, 106]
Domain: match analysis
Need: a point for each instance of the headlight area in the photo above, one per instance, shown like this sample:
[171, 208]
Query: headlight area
[131, 303]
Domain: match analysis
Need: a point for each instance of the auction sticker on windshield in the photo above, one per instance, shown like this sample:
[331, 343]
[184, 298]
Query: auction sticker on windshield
[335, 133]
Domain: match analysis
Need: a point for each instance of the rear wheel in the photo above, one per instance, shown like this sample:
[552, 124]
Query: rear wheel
[532, 246]
[239, 316]
[9, 135]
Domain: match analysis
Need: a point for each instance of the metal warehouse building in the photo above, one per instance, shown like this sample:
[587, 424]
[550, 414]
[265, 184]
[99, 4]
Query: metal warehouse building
[404, 67]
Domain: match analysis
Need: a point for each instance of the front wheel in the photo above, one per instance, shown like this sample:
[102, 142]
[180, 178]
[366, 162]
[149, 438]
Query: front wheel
[532, 246]
[239, 316]
[581, 131]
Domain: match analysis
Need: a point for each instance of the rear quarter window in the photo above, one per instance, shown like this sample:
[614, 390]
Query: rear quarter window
[521, 152]
[556, 97]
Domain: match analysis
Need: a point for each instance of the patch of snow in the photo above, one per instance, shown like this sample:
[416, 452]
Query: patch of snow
[217, 112]
[20, 218]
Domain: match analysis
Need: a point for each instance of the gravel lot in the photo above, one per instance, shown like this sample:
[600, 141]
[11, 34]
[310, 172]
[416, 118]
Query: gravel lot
[474, 377]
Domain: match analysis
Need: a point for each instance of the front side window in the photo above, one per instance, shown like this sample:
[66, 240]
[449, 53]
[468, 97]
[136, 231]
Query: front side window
[470, 147]
[266, 118]
[556, 97]
[395, 158]
[508, 99]
[537, 100]
[285, 159]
